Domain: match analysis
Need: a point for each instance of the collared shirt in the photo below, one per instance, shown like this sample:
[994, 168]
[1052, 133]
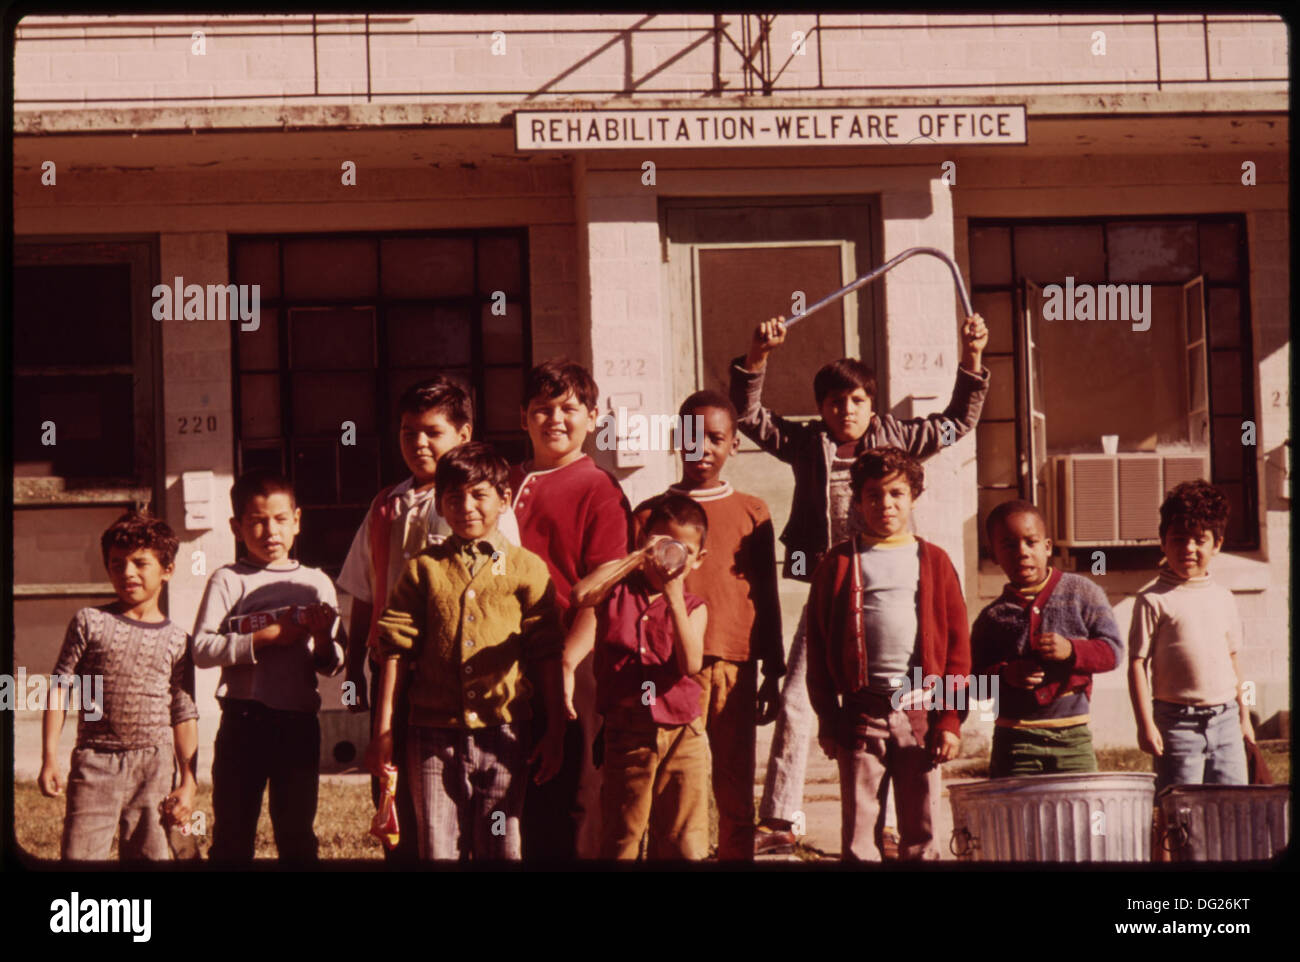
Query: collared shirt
[415, 526]
[475, 554]
[635, 657]
[575, 517]
[469, 636]
[737, 578]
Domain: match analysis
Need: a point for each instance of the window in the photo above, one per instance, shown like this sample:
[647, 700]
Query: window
[348, 322]
[83, 363]
[1182, 387]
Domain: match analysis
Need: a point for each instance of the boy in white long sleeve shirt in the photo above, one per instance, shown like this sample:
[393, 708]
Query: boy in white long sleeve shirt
[271, 625]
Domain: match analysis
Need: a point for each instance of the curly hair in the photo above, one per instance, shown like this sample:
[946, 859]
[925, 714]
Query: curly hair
[880, 463]
[133, 531]
[1195, 506]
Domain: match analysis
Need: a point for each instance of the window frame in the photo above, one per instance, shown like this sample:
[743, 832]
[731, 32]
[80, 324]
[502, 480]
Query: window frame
[1244, 351]
[140, 253]
[391, 469]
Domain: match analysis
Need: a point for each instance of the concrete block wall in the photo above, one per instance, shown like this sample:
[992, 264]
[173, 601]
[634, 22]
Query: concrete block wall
[63, 61]
[922, 344]
[624, 318]
[196, 364]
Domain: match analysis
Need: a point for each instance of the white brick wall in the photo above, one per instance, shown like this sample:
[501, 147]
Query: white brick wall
[196, 382]
[73, 59]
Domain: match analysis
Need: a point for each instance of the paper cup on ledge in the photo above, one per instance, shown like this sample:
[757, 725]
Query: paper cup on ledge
[1110, 443]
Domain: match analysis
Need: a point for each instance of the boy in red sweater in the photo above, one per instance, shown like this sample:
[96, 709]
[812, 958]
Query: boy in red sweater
[575, 516]
[882, 604]
[737, 580]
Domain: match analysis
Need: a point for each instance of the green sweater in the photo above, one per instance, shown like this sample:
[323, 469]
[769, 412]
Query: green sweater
[469, 637]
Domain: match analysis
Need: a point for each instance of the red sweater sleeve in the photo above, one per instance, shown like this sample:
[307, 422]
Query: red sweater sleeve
[958, 659]
[1092, 655]
[821, 687]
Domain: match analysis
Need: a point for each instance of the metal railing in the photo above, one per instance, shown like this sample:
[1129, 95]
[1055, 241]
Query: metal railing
[749, 36]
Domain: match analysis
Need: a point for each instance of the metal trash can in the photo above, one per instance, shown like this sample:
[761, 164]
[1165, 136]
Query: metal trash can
[1225, 823]
[1087, 817]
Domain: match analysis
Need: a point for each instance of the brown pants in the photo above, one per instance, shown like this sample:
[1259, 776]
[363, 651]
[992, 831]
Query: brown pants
[869, 748]
[655, 776]
[730, 705]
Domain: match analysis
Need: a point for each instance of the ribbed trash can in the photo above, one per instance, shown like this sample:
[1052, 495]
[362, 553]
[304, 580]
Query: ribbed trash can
[1225, 823]
[1090, 817]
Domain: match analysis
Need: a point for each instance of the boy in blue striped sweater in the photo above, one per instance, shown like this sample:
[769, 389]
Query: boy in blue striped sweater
[1044, 637]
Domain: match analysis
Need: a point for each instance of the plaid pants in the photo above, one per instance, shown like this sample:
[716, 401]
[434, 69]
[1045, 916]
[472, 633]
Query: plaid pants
[468, 790]
[121, 790]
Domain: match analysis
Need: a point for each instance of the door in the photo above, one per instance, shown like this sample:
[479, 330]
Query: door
[730, 265]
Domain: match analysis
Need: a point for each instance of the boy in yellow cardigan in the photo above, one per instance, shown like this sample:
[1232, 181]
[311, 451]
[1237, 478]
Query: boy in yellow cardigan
[468, 614]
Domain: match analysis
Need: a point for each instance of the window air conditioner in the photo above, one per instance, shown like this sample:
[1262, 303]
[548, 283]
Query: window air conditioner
[1114, 499]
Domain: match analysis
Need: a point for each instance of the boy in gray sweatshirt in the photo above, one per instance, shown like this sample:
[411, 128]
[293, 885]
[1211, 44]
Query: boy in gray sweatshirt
[271, 625]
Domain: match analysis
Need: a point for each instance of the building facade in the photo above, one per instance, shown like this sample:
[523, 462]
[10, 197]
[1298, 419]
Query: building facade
[471, 194]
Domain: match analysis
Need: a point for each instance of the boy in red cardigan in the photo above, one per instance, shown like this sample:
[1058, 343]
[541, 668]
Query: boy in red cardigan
[882, 604]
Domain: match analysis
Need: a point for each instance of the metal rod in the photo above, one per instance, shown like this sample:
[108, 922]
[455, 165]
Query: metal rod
[870, 276]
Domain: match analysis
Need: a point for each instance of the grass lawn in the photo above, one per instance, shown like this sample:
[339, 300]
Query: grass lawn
[1277, 755]
[344, 810]
[342, 822]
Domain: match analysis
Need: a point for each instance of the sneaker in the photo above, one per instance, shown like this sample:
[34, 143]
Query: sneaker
[889, 844]
[768, 842]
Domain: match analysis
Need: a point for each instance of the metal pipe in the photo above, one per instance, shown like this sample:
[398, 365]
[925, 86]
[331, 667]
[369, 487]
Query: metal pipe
[870, 276]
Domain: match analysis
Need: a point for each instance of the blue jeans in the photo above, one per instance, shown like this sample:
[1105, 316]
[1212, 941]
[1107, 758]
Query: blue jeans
[1203, 745]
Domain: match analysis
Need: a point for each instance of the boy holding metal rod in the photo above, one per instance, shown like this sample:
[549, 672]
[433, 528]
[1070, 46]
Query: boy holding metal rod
[820, 453]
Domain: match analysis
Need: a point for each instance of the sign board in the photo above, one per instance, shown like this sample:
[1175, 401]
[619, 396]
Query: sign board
[770, 127]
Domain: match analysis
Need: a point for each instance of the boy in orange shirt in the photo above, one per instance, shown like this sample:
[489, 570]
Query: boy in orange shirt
[737, 580]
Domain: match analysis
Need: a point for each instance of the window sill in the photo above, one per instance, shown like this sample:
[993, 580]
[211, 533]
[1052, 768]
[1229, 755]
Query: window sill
[86, 590]
[1238, 572]
[43, 492]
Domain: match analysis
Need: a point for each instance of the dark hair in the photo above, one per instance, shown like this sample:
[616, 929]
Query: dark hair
[1197, 506]
[673, 508]
[441, 394]
[1007, 509]
[132, 531]
[880, 463]
[846, 374]
[709, 399]
[556, 378]
[469, 464]
[260, 481]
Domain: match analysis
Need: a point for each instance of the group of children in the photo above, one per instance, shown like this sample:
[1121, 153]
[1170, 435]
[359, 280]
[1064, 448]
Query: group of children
[555, 675]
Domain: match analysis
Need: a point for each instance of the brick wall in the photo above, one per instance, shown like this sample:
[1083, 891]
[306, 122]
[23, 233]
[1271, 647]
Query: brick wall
[62, 61]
